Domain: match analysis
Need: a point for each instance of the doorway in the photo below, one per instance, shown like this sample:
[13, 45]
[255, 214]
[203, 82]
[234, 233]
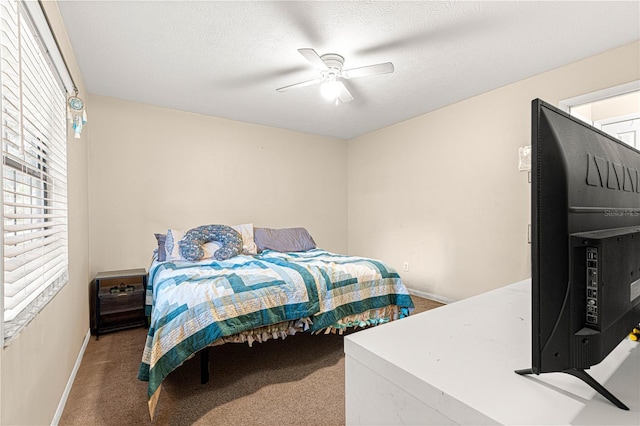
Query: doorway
[615, 111]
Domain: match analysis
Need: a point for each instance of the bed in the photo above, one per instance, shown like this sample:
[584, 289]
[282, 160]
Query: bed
[195, 304]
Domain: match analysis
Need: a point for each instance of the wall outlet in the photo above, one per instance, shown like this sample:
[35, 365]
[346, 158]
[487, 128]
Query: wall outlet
[406, 266]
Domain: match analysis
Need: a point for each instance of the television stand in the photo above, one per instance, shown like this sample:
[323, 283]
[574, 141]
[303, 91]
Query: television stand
[585, 377]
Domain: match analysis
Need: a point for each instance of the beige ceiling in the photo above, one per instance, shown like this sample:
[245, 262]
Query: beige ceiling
[226, 59]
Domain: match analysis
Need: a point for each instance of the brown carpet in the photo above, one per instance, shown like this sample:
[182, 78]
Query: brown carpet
[298, 381]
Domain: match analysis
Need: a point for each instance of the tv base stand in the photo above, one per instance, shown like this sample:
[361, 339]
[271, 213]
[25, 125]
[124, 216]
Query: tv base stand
[585, 377]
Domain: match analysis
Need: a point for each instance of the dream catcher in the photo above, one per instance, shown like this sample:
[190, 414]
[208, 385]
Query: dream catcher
[77, 114]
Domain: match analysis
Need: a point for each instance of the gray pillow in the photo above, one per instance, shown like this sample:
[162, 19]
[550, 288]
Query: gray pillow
[162, 254]
[285, 239]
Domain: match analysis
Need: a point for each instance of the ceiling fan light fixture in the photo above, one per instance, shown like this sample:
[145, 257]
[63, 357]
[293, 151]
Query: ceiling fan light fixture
[330, 90]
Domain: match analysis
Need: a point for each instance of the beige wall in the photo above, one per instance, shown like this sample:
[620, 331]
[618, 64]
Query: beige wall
[35, 368]
[154, 168]
[443, 192]
[619, 106]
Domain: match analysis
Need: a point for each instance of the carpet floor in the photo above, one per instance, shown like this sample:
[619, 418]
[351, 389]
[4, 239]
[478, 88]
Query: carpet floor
[298, 381]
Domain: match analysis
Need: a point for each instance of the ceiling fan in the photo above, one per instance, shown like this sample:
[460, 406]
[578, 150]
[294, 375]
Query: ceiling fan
[330, 67]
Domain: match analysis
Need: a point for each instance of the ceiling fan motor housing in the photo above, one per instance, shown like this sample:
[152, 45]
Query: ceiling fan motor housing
[334, 64]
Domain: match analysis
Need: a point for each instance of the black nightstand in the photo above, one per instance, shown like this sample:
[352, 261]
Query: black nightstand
[117, 300]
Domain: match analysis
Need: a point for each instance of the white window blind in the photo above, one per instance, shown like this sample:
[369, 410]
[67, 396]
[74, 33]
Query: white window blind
[34, 172]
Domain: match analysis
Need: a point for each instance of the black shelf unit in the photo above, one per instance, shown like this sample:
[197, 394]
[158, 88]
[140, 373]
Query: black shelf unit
[117, 300]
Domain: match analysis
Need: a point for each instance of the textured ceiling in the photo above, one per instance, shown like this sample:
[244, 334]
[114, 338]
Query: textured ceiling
[226, 59]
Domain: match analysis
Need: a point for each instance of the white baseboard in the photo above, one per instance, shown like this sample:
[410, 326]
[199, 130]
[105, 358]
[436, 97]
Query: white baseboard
[431, 296]
[72, 377]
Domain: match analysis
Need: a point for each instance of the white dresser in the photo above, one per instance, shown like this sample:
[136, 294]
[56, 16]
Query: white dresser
[455, 365]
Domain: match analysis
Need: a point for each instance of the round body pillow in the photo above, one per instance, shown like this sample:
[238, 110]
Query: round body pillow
[191, 243]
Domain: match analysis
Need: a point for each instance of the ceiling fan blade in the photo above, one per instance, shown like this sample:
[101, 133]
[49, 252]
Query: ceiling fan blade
[384, 68]
[345, 95]
[299, 85]
[313, 57]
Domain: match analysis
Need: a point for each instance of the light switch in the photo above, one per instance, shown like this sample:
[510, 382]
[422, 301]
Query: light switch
[524, 158]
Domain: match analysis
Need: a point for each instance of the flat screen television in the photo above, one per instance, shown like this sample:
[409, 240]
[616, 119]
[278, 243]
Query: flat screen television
[585, 244]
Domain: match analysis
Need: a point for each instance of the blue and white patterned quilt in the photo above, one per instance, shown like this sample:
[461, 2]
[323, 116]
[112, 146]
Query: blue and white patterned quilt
[194, 304]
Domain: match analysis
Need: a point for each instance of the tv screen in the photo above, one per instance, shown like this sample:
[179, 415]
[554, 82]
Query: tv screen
[585, 245]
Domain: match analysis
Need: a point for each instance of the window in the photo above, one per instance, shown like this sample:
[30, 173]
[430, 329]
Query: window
[34, 169]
